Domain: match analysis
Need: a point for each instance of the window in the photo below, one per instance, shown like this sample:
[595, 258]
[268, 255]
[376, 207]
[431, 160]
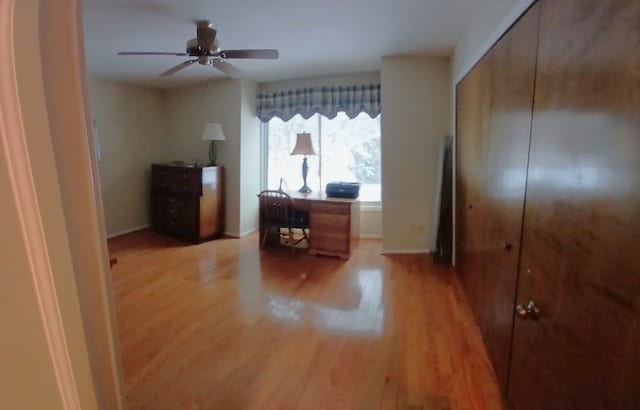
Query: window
[348, 150]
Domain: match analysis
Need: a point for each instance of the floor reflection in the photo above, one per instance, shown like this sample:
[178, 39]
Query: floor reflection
[366, 318]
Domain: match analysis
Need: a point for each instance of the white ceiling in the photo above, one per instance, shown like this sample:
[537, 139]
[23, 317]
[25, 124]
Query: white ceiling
[314, 37]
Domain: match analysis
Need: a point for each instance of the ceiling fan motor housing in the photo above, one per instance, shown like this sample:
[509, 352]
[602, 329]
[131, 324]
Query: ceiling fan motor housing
[192, 47]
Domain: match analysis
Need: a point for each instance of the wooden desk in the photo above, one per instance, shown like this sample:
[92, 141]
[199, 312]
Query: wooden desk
[334, 223]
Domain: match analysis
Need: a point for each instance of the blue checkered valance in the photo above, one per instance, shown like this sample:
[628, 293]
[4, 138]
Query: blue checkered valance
[328, 101]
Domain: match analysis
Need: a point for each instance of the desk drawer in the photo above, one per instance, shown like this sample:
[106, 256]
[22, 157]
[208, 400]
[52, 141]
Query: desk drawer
[333, 244]
[325, 208]
[329, 223]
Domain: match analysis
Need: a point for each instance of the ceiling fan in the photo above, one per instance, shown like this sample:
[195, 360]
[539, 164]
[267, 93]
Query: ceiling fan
[205, 48]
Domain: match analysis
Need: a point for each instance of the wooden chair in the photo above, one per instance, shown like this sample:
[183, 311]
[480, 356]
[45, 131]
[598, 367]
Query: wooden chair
[277, 211]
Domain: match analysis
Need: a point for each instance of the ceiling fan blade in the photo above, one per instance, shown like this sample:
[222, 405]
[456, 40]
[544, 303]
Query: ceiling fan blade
[205, 34]
[148, 53]
[227, 68]
[266, 54]
[177, 68]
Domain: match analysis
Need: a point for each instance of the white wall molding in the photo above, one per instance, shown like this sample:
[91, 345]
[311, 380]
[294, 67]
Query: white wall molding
[128, 231]
[370, 207]
[14, 139]
[241, 234]
[370, 236]
[248, 232]
[405, 251]
[514, 14]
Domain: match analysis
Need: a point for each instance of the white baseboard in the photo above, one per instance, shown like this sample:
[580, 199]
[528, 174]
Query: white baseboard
[405, 251]
[370, 236]
[248, 232]
[137, 228]
[242, 234]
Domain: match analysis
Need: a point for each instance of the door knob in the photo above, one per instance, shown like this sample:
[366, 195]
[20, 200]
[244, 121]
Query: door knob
[528, 311]
[521, 311]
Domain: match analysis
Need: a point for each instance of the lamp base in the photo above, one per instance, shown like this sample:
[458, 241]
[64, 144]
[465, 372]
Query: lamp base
[212, 154]
[305, 189]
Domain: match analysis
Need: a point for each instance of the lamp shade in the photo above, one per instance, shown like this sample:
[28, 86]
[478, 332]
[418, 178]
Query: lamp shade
[213, 132]
[303, 145]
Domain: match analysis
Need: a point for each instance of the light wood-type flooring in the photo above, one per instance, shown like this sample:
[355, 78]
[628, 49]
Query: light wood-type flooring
[223, 325]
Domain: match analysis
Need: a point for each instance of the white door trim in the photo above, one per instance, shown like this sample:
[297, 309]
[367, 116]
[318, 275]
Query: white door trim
[14, 139]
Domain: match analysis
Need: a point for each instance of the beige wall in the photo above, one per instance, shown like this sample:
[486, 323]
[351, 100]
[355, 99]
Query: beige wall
[132, 134]
[416, 96]
[138, 126]
[370, 223]
[188, 110]
[249, 158]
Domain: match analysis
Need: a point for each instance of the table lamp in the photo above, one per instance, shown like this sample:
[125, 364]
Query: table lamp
[304, 147]
[212, 132]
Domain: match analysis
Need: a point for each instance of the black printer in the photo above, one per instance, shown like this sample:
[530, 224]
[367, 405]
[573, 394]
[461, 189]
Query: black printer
[343, 189]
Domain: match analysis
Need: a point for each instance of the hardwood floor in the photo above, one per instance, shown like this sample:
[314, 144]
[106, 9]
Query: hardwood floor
[223, 325]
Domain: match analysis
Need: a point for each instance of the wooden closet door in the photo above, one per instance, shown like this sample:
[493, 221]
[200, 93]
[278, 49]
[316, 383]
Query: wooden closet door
[581, 233]
[494, 127]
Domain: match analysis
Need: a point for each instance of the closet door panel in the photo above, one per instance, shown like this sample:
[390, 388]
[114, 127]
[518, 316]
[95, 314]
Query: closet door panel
[473, 103]
[495, 106]
[582, 219]
[513, 63]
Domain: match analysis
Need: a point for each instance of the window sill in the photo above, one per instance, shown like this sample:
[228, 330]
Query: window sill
[370, 206]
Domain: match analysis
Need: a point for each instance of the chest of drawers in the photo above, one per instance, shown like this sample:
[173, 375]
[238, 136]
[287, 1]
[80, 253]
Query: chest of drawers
[187, 202]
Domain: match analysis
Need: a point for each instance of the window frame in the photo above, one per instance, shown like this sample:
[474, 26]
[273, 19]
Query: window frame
[264, 163]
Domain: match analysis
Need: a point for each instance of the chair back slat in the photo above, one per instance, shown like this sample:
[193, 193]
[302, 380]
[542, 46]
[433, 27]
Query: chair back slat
[276, 207]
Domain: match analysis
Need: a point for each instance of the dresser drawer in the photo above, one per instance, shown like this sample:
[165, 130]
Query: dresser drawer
[177, 180]
[187, 202]
[178, 216]
[159, 178]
